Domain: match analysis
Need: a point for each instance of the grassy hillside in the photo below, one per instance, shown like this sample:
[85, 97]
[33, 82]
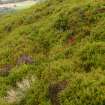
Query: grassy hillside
[53, 54]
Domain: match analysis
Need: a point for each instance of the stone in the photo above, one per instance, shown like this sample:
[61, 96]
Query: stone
[24, 59]
[54, 89]
[5, 69]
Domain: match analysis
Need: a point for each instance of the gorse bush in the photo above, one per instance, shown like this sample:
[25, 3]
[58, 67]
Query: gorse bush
[61, 24]
[85, 90]
[91, 56]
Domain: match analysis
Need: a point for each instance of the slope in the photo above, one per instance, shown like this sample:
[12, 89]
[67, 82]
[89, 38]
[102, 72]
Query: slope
[53, 54]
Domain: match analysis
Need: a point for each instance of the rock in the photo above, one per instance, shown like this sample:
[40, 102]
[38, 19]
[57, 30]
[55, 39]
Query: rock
[100, 10]
[54, 89]
[5, 69]
[24, 59]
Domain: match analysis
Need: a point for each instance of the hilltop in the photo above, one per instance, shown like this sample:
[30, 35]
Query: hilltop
[53, 54]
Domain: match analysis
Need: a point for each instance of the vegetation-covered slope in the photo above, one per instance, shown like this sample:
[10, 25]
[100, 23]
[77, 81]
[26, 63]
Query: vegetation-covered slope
[53, 54]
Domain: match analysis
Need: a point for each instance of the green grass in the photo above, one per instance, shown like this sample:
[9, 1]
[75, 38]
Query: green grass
[66, 40]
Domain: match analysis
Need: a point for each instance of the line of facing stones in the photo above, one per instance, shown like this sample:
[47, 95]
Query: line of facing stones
[23, 59]
[54, 89]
